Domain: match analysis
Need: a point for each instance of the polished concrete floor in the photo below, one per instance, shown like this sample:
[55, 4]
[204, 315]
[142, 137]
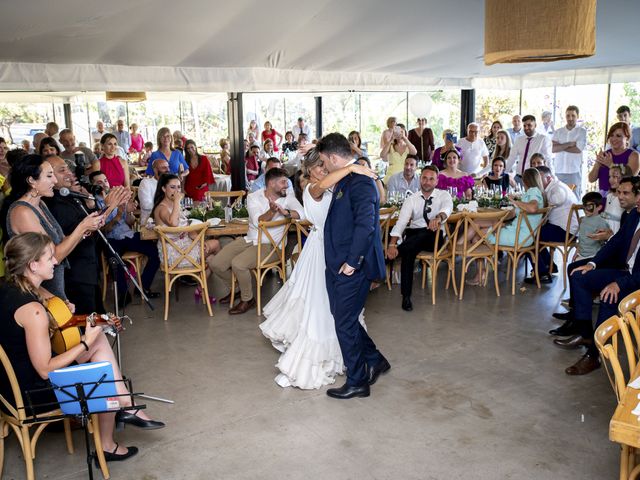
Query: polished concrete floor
[476, 391]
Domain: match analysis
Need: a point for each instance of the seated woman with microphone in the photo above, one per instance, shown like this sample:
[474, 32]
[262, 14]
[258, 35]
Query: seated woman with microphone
[25, 336]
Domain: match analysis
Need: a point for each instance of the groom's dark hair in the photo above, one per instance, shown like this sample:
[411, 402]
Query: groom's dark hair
[334, 143]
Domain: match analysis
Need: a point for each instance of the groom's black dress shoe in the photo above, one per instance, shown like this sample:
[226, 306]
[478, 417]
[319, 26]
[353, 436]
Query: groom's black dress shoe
[406, 304]
[347, 391]
[570, 327]
[383, 366]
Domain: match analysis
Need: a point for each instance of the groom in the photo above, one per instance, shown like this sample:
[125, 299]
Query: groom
[354, 258]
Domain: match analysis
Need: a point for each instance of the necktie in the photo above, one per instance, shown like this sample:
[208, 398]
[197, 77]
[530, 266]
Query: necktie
[526, 151]
[427, 209]
[633, 246]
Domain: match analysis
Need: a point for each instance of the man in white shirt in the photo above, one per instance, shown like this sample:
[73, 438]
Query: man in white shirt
[425, 214]
[474, 152]
[528, 144]
[569, 143]
[274, 202]
[547, 127]
[147, 188]
[560, 197]
[624, 115]
[516, 131]
[68, 140]
[97, 134]
[299, 128]
[406, 181]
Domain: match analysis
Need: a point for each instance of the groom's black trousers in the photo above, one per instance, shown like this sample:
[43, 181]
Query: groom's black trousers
[347, 296]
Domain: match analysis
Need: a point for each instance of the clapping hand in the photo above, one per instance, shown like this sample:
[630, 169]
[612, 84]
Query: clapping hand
[604, 158]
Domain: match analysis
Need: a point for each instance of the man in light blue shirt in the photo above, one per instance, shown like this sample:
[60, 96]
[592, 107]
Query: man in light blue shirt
[123, 137]
[405, 181]
[258, 183]
[517, 130]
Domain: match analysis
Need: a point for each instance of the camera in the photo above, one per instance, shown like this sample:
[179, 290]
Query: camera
[81, 167]
[94, 189]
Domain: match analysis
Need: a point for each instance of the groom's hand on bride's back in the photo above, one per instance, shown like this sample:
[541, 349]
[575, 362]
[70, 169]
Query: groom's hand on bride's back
[346, 269]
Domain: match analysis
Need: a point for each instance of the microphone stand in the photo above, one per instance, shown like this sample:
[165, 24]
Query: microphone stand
[116, 262]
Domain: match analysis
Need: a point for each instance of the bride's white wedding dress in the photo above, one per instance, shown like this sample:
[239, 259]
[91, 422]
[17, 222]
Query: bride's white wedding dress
[299, 321]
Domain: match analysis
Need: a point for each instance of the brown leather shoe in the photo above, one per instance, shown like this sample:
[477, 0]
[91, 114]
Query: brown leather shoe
[243, 307]
[586, 364]
[572, 342]
[225, 300]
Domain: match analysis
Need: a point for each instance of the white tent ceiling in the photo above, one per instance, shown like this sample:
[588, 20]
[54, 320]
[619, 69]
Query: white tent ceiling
[257, 45]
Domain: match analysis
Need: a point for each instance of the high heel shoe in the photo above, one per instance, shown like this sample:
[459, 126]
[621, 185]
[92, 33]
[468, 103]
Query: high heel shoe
[197, 297]
[123, 417]
[115, 457]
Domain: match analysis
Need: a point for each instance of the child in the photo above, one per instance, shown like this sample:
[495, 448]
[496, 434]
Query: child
[537, 160]
[592, 222]
[146, 154]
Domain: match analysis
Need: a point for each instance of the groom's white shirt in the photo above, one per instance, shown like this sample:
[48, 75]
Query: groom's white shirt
[258, 203]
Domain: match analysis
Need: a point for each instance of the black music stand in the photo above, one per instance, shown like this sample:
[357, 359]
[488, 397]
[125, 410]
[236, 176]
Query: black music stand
[81, 393]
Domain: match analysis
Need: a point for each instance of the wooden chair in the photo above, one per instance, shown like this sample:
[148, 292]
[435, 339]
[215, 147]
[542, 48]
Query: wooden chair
[525, 233]
[629, 309]
[14, 416]
[480, 249]
[231, 198]
[607, 339]
[273, 260]
[570, 242]
[443, 251]
[303, 227]
[134, 259]
[386, 222]
[194, 268]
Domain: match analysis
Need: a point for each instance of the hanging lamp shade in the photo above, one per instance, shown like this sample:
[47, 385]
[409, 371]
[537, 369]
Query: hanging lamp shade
[517, 31]
[126, 96]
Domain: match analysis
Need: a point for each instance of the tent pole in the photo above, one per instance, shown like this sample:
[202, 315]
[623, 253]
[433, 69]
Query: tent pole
[606, 115]
[467, 110]
[236, 137]
[318, 116]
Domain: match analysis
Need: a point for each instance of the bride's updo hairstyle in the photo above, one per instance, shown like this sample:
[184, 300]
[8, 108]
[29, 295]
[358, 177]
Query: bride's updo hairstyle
[311, 159]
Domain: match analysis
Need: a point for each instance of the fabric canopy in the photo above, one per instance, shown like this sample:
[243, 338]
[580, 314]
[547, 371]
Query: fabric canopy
[284, 45]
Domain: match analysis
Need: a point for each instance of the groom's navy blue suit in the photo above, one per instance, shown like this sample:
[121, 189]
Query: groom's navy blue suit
[352, 236]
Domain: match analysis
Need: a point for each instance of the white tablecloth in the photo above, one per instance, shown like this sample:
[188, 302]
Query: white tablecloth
[223, 183]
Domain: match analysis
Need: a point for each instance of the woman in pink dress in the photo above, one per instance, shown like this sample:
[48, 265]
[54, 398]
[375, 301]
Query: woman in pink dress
[452, 177]
[270, 133]
[115, 168]
[137, 142]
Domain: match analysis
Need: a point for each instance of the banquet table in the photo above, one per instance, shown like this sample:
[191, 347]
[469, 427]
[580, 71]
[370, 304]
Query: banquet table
[231, 229]
[222, 183]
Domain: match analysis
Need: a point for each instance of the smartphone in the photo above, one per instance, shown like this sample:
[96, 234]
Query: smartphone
[452, 138]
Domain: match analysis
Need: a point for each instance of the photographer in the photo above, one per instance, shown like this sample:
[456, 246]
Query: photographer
[74, 155]
[81, 278]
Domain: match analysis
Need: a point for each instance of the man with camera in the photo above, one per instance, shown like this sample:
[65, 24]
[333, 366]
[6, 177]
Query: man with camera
[72, 154]
[118, 229]
[81, 279]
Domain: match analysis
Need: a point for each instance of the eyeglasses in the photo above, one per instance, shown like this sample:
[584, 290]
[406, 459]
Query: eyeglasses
[590, 207]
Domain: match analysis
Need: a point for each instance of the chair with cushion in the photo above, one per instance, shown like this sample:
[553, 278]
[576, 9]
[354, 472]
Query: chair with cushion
[173, 270]
[570, 242]
[480, 249]
[14, 416]
[270, 256]
[526, 243]
[443, 251]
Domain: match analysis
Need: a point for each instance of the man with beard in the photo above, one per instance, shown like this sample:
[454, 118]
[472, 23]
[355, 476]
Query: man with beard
[273, 202]
[81, 279]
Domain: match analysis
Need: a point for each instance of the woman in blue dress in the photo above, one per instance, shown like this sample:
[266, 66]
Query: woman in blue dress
[531, 202]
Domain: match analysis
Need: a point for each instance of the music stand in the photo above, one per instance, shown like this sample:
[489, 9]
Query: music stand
[82, 394]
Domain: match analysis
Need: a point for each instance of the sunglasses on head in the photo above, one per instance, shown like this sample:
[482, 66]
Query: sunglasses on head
[590, 207]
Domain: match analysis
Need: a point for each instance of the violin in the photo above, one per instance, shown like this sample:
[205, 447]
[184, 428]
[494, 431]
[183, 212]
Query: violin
[67, 333]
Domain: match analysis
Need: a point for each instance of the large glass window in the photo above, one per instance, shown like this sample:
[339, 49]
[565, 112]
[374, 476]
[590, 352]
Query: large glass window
[625, 94]
[263, 107]
[340, 112]
[20, 121]
[375, 108]
[496, 105]
[536, 101]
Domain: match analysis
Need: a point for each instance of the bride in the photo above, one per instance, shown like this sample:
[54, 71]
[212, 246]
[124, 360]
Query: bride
[298, 319]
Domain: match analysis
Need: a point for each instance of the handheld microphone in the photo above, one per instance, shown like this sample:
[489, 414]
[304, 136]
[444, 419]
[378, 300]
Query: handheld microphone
[65, 192]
